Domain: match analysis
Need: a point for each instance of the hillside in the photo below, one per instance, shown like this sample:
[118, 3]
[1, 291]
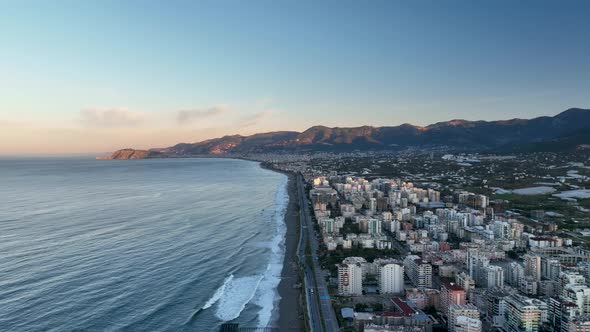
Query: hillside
[132, 154]
[453, 134]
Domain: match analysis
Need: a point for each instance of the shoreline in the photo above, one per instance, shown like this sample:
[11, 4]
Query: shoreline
[290, 316]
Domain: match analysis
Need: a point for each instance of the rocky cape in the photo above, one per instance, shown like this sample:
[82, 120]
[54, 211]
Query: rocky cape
[132, 154]
[535, 134]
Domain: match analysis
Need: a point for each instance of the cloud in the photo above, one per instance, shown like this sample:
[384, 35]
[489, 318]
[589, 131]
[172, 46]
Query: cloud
[190, 116]
[111, 117]
[253, 119]
[9, 124]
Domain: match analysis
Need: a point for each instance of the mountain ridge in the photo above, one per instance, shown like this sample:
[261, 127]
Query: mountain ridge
[457, 134]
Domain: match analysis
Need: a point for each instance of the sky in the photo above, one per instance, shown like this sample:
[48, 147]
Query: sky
[96, 76]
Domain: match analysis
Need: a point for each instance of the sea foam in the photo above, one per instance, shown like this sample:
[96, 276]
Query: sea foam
[236, 294]
[218, 293]
[267, 296]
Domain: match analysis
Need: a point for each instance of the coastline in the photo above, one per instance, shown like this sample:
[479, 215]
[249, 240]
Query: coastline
[290, 316]
[287, 315]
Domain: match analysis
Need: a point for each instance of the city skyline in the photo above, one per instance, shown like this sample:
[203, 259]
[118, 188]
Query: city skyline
[92, 78]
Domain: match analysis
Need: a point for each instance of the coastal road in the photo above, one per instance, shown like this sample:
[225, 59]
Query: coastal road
[320, 310]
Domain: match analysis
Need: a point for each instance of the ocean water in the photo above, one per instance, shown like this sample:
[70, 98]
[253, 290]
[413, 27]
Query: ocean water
[139, 245]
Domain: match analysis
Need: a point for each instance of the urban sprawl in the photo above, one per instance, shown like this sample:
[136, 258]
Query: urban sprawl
[463, 243]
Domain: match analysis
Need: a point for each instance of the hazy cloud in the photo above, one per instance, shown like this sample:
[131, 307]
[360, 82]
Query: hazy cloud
[190, 116]
[8, 124]
[253, 119]
[111, 117]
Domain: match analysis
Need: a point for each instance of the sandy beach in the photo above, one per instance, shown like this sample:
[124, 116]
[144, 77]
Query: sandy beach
[290, 316]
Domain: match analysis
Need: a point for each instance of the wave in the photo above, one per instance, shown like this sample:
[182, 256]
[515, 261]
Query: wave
[236, 294]
[246, 240]
[218, 293]
[267, 296]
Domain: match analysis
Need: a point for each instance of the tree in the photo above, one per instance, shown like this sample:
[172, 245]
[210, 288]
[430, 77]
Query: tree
[360, 307]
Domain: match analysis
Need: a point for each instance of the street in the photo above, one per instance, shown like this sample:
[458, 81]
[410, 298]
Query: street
[319, 304]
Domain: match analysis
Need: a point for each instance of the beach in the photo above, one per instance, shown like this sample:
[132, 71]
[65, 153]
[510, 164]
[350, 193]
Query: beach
[290, 315]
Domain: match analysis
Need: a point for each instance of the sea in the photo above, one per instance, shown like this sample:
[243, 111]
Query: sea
[139, 245]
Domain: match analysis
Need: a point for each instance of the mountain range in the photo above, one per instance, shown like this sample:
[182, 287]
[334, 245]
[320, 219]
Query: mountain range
[566, 131]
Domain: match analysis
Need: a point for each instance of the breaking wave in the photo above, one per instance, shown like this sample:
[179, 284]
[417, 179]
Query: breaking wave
[267, 296]
[236, 294]
[218, 293]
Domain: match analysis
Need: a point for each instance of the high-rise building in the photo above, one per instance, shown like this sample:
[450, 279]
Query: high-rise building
[329, 226]
[451, 293]
[561, 312]
[391, 279]
[374, 226]
[477, 264]
[387, 216]
[532, 266]
[467, 324]
[494, 276]
[514, 274]
[579, 324]
[418, 271]
[496, 306]
[465, 281]
[350, 279]
[548, 287]
[521, 314]
[580, 295]
[502, 230]
[529, 285]
[433, 195]
[569, 277]
[550, 268]
[461, 310]
[584, 269]
[372, 204]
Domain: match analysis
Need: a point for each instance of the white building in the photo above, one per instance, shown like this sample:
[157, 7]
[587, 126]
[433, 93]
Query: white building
[569, 277]
[391, 279]
[514, 274]
[477, 263]
[372, 204]
[521, 315]
[462, 310]
[580, 295]
[350, 279]
[374, 226]
[494, 276]
[579, 324]
[467, 324]
[465, 281]
[550, 268]
[419, 271]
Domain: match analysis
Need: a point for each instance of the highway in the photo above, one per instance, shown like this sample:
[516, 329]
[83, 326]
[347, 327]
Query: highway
[319, 306]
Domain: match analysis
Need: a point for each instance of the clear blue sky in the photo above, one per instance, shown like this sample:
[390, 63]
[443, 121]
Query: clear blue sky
[119, 72]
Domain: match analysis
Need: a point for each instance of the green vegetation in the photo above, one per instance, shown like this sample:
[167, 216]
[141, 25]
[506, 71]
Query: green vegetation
[370, 279]
[524, 204]
[377, 306]
[431, 310]
[361, 307]
[328, 260]
[512, 254]
[373, 307]
[350, 227]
